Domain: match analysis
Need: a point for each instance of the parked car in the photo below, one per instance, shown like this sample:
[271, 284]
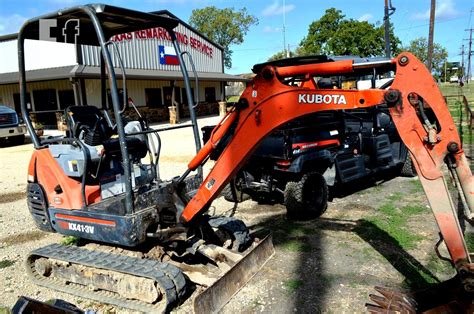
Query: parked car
[10, 128]
[454, 79]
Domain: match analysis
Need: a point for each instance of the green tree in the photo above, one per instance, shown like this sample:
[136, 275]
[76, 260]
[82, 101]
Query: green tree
[280, 55]
[224, 26]
[333, 34]
[419, 47]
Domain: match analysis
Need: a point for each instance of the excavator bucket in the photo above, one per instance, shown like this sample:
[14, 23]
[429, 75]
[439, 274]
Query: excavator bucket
[445, 297]
[223, 289]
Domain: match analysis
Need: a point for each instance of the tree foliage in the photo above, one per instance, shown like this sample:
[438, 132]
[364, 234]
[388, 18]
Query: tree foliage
[333, 34]
[224, 26]
[419, 47]
[280, 55]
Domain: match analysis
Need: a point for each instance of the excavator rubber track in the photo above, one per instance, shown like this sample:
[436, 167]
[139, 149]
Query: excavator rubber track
[167, 277]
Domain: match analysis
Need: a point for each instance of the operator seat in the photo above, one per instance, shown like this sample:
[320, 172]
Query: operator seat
[87, 123]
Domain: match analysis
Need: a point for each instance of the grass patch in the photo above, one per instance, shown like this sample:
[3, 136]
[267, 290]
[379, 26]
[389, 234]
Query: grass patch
[293, 284]
[397, 196]
[394, 222]
[5, 310]
[294, 229]
[410, 210]
[415, 186]
[70, 240]
[6, 263]
[438, 266]
[395, 227]
[288, 230]
[469, 238]
[387, 209]
[296, 246]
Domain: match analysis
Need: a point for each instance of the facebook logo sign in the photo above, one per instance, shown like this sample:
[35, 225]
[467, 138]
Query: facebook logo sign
[49, 30]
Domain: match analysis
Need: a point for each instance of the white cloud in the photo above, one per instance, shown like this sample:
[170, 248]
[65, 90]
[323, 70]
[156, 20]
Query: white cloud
[11, 24]
[365, 17]
[269, 29]
[444, 10]
[276, 9]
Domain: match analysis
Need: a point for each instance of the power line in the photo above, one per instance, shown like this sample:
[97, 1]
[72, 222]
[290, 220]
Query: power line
[437, 22]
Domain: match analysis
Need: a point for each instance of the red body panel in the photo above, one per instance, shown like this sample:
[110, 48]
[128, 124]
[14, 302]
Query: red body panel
[47, 172]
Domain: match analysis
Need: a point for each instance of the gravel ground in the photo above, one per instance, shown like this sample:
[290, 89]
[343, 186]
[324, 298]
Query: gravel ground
[329, 265]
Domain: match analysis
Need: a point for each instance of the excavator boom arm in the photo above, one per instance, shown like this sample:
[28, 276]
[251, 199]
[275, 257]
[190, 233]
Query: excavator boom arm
[268, 103]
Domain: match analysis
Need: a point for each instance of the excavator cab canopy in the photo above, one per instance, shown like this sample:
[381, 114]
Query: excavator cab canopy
[113, 21]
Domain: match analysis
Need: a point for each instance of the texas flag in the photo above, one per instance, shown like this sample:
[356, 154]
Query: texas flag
[168, 55]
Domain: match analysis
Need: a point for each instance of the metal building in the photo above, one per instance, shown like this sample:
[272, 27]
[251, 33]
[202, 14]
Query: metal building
[60, 74]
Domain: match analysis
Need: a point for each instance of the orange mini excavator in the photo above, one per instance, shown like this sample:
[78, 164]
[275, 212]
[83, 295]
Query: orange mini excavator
[95, 183]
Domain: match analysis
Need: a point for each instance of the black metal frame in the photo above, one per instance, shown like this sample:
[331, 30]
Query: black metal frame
[91, 15]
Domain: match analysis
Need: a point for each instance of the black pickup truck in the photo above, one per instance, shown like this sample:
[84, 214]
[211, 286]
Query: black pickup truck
[10, 128]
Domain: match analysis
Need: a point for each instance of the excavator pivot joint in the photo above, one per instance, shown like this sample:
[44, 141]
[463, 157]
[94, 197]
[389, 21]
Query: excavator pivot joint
[392, 97]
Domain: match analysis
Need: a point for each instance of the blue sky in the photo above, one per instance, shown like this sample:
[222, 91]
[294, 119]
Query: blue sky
[266, 38]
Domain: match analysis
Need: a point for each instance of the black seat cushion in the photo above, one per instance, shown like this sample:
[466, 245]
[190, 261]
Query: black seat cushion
[136, 147]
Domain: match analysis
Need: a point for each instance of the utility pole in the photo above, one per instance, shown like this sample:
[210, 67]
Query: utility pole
[287, 52]
[388, 10]
[462, 63]
[445, 70]
[469, 54]
[431, 35]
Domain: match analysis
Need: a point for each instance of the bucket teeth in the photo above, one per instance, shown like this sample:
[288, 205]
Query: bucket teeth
[390, 301]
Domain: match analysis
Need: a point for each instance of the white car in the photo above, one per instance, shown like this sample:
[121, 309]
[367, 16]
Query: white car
[454, 79]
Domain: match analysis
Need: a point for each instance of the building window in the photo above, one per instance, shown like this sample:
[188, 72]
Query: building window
[45, 100]
[17, 103]
[210, 94]
[66, 98]
[185, 97]
[168, 92]
[153, 97]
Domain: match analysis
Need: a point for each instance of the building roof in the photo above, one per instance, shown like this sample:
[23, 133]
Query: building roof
[81, 71]
[113, 21]
[159, 13]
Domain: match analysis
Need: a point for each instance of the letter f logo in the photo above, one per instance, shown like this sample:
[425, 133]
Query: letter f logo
[71, 31]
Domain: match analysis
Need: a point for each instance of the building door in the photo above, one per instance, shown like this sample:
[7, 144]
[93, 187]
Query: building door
[46, 105]
[66, 98]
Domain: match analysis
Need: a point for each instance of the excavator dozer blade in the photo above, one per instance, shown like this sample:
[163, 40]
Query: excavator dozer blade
[220, 292]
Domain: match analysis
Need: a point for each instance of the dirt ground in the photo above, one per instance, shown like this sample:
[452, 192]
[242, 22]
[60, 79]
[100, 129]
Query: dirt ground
[381, 235]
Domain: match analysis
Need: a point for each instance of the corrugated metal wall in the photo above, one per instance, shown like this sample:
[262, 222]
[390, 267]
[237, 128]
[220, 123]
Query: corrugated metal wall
[142, 53]
[136, 89]
[7, 91]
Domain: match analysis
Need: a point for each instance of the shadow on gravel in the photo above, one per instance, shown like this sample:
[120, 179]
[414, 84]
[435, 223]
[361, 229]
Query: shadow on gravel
[313, 277]
[360, 185]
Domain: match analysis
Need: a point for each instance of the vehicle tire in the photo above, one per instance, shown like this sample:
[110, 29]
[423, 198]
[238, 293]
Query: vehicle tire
[308, 198]
[18, 140]
[227, 193]
[408, 169]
